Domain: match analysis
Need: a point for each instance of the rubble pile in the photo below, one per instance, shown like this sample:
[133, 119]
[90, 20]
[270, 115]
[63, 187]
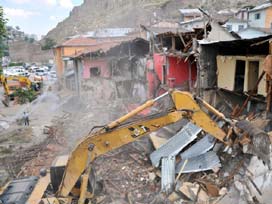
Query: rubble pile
[127, 177]
[29, 161]
[206, 171]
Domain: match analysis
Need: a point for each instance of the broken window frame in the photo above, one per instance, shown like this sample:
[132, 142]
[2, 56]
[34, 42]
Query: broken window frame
[96, 73]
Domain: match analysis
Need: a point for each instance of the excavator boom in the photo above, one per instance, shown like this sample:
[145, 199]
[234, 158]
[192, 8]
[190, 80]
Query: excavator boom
[117, 134]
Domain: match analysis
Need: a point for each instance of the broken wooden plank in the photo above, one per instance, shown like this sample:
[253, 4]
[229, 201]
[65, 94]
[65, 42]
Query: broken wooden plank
[190, 190]
[157, 141]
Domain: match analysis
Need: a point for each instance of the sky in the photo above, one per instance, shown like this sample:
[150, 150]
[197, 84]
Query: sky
[37, 16]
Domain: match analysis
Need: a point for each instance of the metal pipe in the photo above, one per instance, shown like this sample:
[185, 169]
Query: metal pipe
[147, 104]
[212, 109]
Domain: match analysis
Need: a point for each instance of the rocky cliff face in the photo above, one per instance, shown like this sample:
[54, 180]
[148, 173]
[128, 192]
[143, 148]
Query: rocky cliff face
[130, 13]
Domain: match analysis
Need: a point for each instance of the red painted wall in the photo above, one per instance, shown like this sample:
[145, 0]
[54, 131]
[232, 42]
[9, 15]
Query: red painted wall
[102, 63]
[177, 69]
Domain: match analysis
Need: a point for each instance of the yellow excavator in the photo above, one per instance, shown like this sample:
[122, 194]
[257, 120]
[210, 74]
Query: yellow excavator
[70, 178]
[11, 83]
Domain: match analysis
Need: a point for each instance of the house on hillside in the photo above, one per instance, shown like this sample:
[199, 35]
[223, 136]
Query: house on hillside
[252, 22]
[113, 70]
[70, 47]
[172, 62]
[79, 43]
[199, 22]
[190, 14]
[242, 14]
[236, 24]
[171, 65]
[261, 16]
[230, 70]
[251, 32]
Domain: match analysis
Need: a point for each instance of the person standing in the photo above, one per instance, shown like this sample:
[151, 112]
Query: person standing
[26, 119]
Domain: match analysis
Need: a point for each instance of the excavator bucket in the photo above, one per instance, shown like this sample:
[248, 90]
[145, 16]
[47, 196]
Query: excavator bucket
[260, 143]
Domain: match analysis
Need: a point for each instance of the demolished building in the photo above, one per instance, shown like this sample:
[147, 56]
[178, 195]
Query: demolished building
[236, 68]
[113, 70]
[172, 62]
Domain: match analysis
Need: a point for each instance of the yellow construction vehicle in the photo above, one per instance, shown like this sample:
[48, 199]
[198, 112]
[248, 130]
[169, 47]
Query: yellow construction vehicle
[11, 83]
[70, 179]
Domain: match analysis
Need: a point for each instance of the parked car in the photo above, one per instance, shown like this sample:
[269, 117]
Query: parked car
[33, 69]
[40, 72]
[53, 74]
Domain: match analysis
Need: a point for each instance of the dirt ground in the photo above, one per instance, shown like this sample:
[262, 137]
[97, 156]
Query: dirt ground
[59, 118]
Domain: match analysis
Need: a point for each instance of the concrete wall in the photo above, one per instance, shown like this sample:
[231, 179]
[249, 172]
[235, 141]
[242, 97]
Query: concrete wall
[102, 64]
[22, 51]
[268, 18]
[226, 66]
[218, 33]
[260, 23]
[68, 51]
[251, 33]
[120, 78]
[235, 25]
[193, 24]
[60, 52]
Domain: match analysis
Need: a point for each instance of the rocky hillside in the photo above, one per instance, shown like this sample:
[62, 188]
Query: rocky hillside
[130, 13]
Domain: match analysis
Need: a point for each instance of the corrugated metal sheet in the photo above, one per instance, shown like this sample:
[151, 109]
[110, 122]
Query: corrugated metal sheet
[190, 12]
[110, 32]
[168, 174]
[199, 163]
[201, 147]
[176, 143]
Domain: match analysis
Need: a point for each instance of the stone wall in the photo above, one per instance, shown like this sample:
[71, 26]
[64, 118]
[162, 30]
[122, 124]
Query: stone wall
[22, 51]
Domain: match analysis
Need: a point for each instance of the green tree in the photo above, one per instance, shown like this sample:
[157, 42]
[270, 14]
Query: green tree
[3, 22]
[48, 44]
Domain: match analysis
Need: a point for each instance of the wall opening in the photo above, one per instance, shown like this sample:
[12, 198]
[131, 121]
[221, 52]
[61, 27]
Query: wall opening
[164, 74]
[253, 74]
[95, 71]
[239, 75]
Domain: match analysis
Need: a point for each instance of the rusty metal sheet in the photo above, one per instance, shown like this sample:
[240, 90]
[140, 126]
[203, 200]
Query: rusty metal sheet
[175, 144]
[203, 162]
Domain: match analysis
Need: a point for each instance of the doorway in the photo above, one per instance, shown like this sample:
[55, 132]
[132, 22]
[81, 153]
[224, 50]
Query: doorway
[239, 75]
[253, 75]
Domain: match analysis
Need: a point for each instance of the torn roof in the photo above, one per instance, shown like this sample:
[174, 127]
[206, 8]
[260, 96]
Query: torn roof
[108, 46]
[190, 12]
[236, 20]
[236, 42]
[161, 31]
[227, 11]
[253, 46]
[261, 7]
[82, 41]
[199, 19]
[78, 41]
[110, 32]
